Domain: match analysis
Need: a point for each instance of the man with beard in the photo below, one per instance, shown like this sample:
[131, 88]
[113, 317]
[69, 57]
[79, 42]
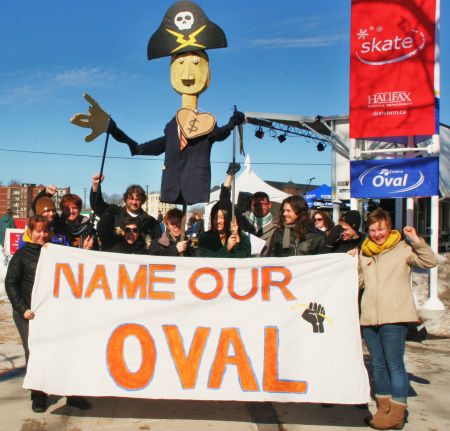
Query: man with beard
[112, 216]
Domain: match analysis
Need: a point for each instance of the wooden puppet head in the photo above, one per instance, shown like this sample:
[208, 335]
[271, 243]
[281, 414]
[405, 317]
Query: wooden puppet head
[189, 72]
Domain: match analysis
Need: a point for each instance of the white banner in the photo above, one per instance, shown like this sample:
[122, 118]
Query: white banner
[261, 329]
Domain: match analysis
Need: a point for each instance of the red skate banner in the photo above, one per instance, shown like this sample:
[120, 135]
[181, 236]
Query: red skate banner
[392, 68]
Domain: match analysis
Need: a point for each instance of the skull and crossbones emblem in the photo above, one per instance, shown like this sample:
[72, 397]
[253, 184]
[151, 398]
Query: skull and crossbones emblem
[184, 20]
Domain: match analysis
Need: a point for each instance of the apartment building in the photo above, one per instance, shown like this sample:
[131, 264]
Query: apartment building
[19, 197]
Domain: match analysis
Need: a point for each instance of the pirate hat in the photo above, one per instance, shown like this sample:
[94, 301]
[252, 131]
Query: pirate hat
[185, 28]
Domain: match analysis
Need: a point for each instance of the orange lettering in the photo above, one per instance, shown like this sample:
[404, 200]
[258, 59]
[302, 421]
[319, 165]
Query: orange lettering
[253, 290]
[99, 281]
[187, 367]
[204, 295]
[266, 282]
[153, 279]
[247, 377]
[76, 288]
[271, 383]
[116, 364]
[131, 287]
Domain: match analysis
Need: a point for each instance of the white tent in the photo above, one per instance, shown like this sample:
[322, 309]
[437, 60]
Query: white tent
[246, 181]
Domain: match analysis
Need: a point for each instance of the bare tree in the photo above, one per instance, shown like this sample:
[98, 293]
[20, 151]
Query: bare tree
[113, 198]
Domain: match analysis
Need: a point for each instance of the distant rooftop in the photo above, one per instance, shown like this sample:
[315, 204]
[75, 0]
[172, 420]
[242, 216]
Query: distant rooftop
[297, 188]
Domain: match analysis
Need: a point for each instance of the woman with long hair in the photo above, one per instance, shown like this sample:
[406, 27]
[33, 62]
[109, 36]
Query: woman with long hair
[225, 239]
[322, 221]
[295, 235]
[387, 306]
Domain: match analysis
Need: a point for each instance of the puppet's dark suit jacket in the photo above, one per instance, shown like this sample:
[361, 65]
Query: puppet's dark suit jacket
[186, 174]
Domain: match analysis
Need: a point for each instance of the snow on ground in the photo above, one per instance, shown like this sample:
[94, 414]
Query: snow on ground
[437, 323]
[3, 265]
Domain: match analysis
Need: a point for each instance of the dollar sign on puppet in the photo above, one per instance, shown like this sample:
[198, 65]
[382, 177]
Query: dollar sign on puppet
[193, 127]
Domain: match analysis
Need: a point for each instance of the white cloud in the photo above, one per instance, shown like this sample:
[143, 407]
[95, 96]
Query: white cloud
[26, 87]
[299, 42]
[296, 23]
[82, 77]
[296, 32]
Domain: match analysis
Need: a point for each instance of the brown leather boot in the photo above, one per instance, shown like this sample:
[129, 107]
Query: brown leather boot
[382, 408]
[394, 419]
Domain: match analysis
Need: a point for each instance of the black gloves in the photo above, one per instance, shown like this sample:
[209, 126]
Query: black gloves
[236, 119]
[120, 136]
[233, 168]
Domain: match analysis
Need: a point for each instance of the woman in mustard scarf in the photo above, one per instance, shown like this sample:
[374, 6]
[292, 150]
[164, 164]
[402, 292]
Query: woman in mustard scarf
[387, 306]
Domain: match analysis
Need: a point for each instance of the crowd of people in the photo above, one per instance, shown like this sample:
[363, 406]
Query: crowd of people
[385, 261]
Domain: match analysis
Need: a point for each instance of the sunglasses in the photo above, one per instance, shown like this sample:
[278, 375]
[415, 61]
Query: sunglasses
[131, 230]
[318, 219]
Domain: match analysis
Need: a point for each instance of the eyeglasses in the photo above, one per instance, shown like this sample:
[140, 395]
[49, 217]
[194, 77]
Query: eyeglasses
[318, 219]
[131, 230]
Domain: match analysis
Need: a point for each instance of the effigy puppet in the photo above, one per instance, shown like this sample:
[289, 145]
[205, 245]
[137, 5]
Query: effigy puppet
[184, 34]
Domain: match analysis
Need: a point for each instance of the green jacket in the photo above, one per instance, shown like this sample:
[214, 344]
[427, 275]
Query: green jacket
[6, 221]
[209, 245]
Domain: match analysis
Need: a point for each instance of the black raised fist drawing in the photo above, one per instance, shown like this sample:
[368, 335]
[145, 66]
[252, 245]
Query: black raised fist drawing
[315, 314]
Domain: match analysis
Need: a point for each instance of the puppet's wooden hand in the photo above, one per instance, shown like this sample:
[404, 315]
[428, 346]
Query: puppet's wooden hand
[96, 119]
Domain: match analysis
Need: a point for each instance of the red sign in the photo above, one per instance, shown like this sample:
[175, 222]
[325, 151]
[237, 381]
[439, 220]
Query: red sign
[12, 238]
[21, 223]
[392, 61]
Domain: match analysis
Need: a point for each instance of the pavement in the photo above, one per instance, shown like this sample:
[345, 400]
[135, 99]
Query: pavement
[428, 364]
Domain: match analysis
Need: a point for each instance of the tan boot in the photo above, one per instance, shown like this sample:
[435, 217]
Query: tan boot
[382, 408]
[394, 419]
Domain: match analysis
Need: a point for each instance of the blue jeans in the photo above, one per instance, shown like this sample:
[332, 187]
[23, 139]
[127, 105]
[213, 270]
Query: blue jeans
[386, 344]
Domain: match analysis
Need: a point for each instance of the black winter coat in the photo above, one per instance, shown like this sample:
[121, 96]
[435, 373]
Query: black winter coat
[311, 244]
[186, 174]
[334, 244]
[20, 276]
[167, 246]
[112, 217]
[121, 246]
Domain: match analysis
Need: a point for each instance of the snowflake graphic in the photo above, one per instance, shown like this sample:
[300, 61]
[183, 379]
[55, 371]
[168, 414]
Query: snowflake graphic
[362, 34]
[371, 28]
[379, 28]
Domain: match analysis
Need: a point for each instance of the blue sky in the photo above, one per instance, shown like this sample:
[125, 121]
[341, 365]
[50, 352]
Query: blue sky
[288, 57]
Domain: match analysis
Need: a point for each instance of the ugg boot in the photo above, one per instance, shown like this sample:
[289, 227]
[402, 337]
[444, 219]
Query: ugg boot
[382, 408]
[394, 419]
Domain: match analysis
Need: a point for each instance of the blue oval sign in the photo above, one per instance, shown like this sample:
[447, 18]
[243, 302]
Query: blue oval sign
[394, 178]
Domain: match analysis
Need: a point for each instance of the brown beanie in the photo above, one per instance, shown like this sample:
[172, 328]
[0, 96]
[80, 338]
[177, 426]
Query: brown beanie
[44, 204]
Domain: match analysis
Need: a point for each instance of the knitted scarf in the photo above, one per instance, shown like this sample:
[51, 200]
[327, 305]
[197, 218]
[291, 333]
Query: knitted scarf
[287, 235]
[369, 248]
[259, 222]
